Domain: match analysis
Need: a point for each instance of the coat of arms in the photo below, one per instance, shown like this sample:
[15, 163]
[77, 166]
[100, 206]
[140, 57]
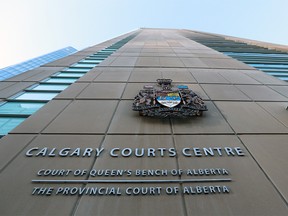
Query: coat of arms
[167, 100]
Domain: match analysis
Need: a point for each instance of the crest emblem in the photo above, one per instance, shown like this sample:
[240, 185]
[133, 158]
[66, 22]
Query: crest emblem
[166, 100]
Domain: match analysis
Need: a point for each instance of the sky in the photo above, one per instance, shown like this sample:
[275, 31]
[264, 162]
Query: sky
[30, 28]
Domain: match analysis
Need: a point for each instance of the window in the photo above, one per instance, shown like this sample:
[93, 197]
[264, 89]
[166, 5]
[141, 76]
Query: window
[269, 66]
[110, 49]
[99, 56]
[41, 96]
[15, 108]
[76, 75]
[95, 58]
[103, 52]
[49, 87]
[84, 65]
[60, 80]
[75, 69]
[7, 124]
[96, 61]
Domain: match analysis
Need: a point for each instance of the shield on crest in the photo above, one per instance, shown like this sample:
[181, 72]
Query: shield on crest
[168, 99]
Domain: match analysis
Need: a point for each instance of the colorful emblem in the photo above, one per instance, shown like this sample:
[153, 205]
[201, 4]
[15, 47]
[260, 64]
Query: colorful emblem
[169, 99]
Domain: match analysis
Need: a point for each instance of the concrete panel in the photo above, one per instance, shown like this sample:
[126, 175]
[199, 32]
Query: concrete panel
[83, 116]
[224, 92]
[123, 62]
[251, 193]
[4, 84]
[117, 54]
[127, 121]
[225, 63]
[72, 91]
[281, 89]
[177, 75]
[210, 122]
[270, 152]
[170, 62]
[149, 50]
[130, 50]
[276, 109]
[237, 77]
[13, 89]
[117, 76]
[182, 50]
[132, 205]
[10, 146]
[162, 54]
[261, 93]
[132, 90]
[201, 55]
[193, 62]
[102, 91]
[208, 76]
[164, 50]
[148, 62]
[145, 76]
[18, 175]
[253, 119]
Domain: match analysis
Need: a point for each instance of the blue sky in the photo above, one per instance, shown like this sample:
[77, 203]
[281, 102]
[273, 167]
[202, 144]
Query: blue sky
[30, 28]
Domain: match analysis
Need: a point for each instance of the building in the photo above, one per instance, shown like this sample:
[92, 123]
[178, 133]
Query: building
[14, 70]
[85, 152]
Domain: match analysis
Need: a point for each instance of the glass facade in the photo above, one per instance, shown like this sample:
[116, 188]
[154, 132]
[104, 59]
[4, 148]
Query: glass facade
[25, 103]
[272, 62]
[14, 70]
[69, 75]
[7, 124]
[35, 96]
[49, 87]
[27, 108]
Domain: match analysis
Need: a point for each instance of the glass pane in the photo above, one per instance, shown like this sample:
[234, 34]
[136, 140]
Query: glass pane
[84, 65]
[283, 78]
[36, 96]
[20, 107]
[105, 52]
[69, 75]
[110, 49]
[61, 80]
[269, 66]
[99, 56]
[274, 70]
[56, 87]
[92, 61]
[255, 54]
[8, 124]
[94, 58]
[277, 74]
[77, 69]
